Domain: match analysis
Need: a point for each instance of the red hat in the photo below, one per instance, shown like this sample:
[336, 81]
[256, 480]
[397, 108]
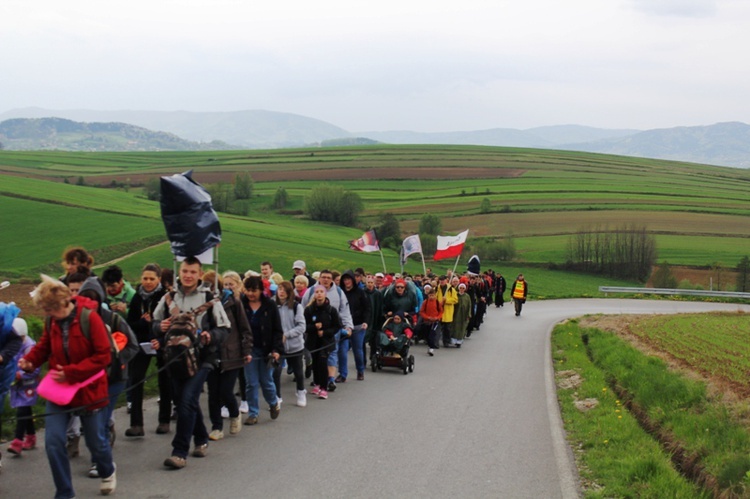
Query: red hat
[387, 280]
[401, 281]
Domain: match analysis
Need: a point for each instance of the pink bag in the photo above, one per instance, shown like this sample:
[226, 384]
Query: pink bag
[62, 393]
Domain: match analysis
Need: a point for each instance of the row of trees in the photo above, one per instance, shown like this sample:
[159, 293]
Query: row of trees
[628, 252]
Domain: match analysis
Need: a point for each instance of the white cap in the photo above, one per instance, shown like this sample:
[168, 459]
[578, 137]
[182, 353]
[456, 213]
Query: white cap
[20, 327]
[379, 274]
[299, 264]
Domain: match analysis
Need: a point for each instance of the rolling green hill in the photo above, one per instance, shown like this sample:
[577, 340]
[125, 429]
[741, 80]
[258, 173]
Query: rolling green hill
[699, 214]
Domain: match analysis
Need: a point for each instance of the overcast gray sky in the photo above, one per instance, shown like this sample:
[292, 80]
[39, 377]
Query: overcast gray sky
[387, 65]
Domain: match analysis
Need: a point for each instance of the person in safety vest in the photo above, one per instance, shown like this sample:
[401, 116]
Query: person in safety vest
[518, 292]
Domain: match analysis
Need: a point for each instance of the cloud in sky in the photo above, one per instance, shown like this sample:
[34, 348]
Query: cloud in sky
[408, 64]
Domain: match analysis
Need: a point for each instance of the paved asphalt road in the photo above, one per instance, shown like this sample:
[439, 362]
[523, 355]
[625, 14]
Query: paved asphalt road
[481, 421]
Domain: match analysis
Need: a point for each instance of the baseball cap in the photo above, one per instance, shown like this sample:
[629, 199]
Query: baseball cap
[299, 264]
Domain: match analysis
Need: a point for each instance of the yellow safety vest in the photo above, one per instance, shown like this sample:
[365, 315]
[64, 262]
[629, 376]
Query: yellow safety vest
[519, 289]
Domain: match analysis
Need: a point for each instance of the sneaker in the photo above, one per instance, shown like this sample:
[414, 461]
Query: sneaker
[224, 412]
[431, 352]
[331, 386]
[235, 425]
[315, 390]
[340, 379]
[175, 462]
[251, 420]
[216, 435]
[360, 376]
[16, 447]
[134, 431]
[301, 398]
[276, 410]
[201, 450]
[280, 400]
[29, 442]
[109, 484]
[244, 409]
[162, 429]
[93, 472]
[323, 394]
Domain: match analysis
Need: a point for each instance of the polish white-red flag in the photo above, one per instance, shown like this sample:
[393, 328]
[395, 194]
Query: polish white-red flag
[450, 246]
[367, 243]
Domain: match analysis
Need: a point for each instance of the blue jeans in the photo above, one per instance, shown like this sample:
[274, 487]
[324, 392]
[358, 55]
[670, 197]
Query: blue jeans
[259, 375]
[114, 391]
[358, 347]
[187, 394]
[342, 353]
[97, 441]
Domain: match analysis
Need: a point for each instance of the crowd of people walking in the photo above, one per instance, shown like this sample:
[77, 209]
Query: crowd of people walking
[230, 334]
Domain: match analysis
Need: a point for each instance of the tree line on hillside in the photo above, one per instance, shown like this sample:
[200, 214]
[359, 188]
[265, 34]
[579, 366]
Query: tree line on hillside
[627, 252]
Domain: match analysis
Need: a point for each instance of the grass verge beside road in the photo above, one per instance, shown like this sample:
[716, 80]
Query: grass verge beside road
[640, 428]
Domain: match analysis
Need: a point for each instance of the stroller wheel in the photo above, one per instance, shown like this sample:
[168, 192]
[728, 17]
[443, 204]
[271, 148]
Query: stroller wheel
[411, 363]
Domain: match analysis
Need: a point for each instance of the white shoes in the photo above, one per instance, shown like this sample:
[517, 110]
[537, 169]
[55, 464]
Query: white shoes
[243, 407]
[109, 484]
[224, 412]
[301, 398]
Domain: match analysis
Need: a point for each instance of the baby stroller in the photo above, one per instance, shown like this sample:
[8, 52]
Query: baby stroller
[392, 346]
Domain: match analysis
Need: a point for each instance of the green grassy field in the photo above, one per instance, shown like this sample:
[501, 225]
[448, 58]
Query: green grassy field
[698, 214]
[671, 422]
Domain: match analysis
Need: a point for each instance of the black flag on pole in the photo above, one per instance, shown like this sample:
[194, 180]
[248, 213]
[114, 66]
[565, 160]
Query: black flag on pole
[189, 218]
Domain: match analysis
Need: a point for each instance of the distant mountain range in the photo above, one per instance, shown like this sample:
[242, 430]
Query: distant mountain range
[66, 135]
[724, 144]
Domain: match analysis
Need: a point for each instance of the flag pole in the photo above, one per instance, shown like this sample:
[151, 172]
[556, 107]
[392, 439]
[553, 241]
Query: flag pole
[456, 264]
[382, 259]
[424, 267]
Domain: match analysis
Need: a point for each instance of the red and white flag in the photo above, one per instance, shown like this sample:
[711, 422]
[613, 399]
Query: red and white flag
[450, 246]
[367, 243]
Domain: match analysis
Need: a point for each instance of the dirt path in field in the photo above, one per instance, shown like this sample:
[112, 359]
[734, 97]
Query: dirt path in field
[128, 255]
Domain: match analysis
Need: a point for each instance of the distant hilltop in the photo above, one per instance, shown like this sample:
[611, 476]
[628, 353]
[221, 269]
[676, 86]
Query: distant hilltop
[723, 144]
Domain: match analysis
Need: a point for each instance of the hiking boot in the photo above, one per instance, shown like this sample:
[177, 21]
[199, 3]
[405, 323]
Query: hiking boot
[29, 442]
[323, 394]
[201, 450]
[16, 447]
[162, 429]
[216, 435]
[244, 409]
[109, 484]
[175, 462]
[134, 431]
[72, 446]
[301, 398]
[251, 420]
[235, 425]
[276, 410]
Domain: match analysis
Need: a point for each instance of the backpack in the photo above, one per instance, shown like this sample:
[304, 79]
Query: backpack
[181, 342]
[115, 367]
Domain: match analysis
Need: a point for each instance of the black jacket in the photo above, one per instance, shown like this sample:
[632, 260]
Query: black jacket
[270, 337]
